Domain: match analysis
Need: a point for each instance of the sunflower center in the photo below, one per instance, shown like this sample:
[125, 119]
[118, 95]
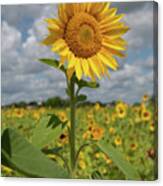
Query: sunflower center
[82, 35]
[86, 34]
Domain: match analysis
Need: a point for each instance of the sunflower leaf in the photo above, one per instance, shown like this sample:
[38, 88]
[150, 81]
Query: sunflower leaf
[52, 151]
[96, 175]
[81, 98]
[119, 160]
[53, 63]
[47, 130]
[54, 121]
[83, 83]
[21, 155]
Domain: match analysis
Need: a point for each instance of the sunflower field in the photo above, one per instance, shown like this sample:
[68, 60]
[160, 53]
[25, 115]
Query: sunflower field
[82, 140]
[130, 129]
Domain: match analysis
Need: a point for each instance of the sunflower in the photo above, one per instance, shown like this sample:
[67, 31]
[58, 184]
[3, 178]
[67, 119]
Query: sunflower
[6, 170]
[145, 98]
[145, 115]
[90, 115]
[112, 130]
[86, 135]
[82, 164]
[118, 141]
[97, 133]
[107, 159]
[121, 110]
[97, 155]
[19, 113]
[152, 127]
[36, 115]
[133, 146]
[63, 139]
[87, 37]
[97, 107]
[63, 116]
[107, 119]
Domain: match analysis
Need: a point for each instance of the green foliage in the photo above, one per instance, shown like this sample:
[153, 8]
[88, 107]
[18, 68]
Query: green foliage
[56, 102]
[43, 133]
[119, 160]
[81, 97]
[19, 154]
[96, 175]
[53, 63]
[90, 158]
[83, 83]
[55, 150]
[54, 121]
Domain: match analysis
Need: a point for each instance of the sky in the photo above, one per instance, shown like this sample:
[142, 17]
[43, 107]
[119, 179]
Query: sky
[23, 78]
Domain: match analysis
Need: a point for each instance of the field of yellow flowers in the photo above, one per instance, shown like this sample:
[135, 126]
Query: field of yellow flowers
[130, 128]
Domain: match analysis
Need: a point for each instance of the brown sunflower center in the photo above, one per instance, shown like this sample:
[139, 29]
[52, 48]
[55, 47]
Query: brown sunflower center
[82, 35]
[86, 34]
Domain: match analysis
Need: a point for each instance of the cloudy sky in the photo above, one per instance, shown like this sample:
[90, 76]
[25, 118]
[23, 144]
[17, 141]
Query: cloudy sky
[24, 78]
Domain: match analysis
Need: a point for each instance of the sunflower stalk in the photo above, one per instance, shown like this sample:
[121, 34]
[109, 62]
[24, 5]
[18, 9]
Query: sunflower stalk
[72, 127]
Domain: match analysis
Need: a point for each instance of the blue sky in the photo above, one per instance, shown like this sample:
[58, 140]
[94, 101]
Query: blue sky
[24, 78]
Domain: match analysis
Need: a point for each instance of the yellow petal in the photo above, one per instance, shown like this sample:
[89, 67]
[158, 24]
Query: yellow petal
[109, 12]
[62, 61]
[91, 74]
[70, 72]
[100, 64]
[116, 32]
[108, 60]
[62, 13]
[113, 46]
[118, 41]
[96, 7]
[105, 7]
[78, 69]
[88, 7]
[82, 7]
[71, 60]
[109, 21]
[54, 22]
[85, 67]
[94, 66]
[49, 40]
[60, 46]
[114, 52]
[69, 9]
[76, 8]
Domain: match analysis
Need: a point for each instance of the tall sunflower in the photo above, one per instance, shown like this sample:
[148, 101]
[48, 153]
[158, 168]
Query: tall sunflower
[87, 37]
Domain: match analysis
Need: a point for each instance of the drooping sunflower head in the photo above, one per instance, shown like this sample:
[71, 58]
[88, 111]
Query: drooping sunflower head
[87, 36]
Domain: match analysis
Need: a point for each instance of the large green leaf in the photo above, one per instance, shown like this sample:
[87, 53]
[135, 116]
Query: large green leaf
[52, 62]
[119, 160]
[21, 155]
[43, 133]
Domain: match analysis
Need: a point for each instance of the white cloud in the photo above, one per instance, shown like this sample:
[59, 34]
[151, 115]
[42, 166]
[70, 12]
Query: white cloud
[141, 27]
[15, 14]
[23, 77]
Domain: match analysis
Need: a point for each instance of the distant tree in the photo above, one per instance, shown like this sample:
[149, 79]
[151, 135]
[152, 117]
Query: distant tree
[56, 102]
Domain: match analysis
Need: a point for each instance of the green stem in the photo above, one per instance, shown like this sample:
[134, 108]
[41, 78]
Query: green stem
[72, 128]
